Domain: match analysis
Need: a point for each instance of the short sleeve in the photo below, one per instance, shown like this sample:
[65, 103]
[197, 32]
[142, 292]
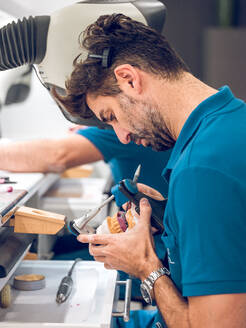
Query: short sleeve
[105, 141]
[210, 215]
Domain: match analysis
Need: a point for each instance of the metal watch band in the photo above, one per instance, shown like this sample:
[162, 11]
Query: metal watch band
[150, 280]
[148, 284]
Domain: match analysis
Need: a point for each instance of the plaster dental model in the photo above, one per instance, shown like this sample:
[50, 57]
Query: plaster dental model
[120, 222]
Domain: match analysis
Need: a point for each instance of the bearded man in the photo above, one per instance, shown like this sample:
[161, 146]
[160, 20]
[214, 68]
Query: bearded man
[134, 80]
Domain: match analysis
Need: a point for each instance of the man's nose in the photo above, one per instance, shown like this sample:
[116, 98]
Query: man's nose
[122, 134]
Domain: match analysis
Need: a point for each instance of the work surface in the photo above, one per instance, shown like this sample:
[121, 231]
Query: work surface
[27, 184]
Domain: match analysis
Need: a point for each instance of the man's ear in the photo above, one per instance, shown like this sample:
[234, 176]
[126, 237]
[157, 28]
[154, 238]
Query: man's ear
[129, 79]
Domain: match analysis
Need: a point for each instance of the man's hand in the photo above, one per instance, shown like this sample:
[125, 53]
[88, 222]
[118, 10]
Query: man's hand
[151, 192]
[131, 251]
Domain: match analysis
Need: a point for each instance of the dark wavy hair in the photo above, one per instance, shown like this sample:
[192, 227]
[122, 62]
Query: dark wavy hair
[130, 42]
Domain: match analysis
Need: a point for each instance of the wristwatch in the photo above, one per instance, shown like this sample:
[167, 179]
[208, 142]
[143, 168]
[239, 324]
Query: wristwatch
[147, 285]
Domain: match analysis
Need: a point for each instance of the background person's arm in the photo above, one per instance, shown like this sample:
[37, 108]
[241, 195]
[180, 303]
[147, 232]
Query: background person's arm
[48, 155]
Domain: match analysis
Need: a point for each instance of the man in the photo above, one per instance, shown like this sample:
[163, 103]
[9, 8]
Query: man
[147, 94]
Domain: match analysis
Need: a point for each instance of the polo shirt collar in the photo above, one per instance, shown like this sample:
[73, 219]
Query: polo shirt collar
[208, 106]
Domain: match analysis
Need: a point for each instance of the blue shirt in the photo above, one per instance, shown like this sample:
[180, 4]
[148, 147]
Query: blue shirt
[205, 218]
[123, 159]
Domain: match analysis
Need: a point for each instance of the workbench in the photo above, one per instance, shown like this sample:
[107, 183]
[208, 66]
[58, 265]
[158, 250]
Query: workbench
[94, 297]
[35, 185]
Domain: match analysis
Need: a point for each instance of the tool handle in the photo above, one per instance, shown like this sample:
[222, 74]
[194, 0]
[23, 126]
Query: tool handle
[158, 209]
[158, 206]
[64, 289]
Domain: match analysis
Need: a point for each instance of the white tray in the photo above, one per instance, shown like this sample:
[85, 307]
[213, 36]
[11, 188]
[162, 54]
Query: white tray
[89, 305]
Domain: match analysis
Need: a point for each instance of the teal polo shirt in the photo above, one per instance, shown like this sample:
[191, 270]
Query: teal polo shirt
[205, 218]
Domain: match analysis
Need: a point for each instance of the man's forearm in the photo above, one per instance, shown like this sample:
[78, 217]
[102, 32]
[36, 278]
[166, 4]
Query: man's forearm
[171, 304]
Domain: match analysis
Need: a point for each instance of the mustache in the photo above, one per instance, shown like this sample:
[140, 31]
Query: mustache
[157, 141]
[135, 137]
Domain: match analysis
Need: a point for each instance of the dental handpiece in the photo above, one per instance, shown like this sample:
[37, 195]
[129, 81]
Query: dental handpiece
[66, 285]
[79, 225]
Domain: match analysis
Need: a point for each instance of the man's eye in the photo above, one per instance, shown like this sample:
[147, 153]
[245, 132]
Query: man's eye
[108, 118]
[112, 117]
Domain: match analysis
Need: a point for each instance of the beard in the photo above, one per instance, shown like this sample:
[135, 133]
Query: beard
[149, 125]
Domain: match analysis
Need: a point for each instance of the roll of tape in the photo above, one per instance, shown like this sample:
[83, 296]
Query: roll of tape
[29, 282]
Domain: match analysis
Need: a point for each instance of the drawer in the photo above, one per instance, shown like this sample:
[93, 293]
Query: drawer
[89, 305]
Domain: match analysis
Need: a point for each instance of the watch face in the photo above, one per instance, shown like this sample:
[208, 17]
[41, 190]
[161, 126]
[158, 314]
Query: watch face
[145, 293]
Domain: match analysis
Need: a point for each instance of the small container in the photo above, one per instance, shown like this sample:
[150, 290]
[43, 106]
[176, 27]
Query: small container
[29, 282]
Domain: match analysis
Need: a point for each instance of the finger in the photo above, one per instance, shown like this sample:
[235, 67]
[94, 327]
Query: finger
[145, 210]
[108, 266]
[100, 258]
[94, 239]
[153, 230]
[96, 250]
[151, 192]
